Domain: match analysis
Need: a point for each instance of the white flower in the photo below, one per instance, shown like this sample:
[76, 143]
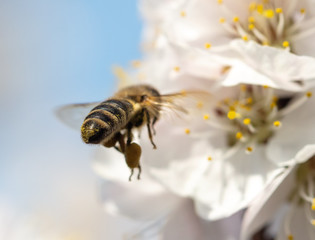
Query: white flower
[294, 190]
[264, 41]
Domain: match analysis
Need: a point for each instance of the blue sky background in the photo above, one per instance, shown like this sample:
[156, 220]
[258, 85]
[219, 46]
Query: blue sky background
[54, 52]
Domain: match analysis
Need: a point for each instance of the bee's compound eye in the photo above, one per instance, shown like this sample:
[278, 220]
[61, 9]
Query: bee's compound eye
[143, 98]
[92, 132]
[132, 155]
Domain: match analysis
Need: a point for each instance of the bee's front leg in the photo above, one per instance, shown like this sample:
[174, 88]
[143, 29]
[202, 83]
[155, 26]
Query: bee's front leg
[149, 128]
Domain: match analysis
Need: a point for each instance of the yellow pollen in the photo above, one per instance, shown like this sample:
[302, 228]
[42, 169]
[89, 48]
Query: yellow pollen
[232, 115]
[277, 123]
[265, 86]
[251, 19]
[136, 63]
[313, 204]
[309, 94]
[209, 158]
[239, 135]
[249, 149]
[245, 38]
[260, 8]
[302, 10]
[243, 88]
[177, 68]
[220, 1]
[207, 45]
[251, 26]
[199, 105]
[222, 20]
[269, 13]
[187, 130]
[206, 116]
[290, 237]
[236, 19]
[278, 10]
[252, 6]
[183, 14]
[247, 121]
[249, 100]
[285, 44]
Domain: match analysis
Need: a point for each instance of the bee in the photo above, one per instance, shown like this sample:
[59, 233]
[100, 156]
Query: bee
[110, 123]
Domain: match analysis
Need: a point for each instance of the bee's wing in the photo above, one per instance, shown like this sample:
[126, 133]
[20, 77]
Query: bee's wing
[184, 102]
[73, 115]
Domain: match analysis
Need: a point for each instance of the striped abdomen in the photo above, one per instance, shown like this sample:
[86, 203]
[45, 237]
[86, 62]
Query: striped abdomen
[106, 119]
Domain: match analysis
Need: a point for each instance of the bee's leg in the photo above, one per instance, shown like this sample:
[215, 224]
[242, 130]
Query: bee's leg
[149, 128]
[129, 134]
[152, 125]
[139, 167]
[121, 142]
[131, 174]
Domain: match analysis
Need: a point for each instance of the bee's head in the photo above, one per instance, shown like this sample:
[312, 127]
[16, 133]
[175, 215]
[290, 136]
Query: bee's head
[92, 132]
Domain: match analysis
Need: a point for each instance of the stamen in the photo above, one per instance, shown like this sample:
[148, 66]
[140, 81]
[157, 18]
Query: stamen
[208, 45]
[278, 10]
[251, 19]
[302, 10]
[280, 26]
[245, 38]
[252, 6]
[206, 116]
[232, 115]
[269, 13]
[239, 135]
[247, 121]
[187, 131]
[285, 44]
[249, 150]
[220, 1]
[183, 14]
[295, 105]
[313, 204]
[222, 20]
[199, 105]
[177, 68]
[209, 158]
[236, 19]
[313, 222]
[277, 124]
[290, 237]
[260, 8]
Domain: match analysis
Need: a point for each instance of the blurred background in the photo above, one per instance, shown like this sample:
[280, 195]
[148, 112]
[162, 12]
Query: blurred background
[55, 52]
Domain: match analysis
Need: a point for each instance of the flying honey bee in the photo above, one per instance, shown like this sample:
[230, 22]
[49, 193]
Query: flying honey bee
[110, 123]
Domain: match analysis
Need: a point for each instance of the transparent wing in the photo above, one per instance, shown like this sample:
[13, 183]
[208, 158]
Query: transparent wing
[185, 102]
[73, 115]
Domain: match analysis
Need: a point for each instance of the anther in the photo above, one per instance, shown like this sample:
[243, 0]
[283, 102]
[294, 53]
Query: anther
[199, 105]
[247, 121]
[177, 68]
[309, 94]
[252, 6]
[232, 115]
[313, 222]
[208, 45]
[251, 19]
[220, 1]
[302, 10]
[245, 38]
[209, 158]
[206, 116]
[239, 135]
[249, 150]
[313, 204]
[278, 10]
[269, 13]
[236, 19]
[187, 130]
[290, 237]
[183, 14]
[222, 20]
[251, 26]
[260, 8]
[277, 124]
[285, 44]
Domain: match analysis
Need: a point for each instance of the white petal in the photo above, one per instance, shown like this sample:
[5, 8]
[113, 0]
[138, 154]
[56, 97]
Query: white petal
[229, 186]
[264, 206]
[279, 64]
[294, 141]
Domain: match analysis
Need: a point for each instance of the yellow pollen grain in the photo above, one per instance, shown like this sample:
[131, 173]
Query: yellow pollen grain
[251, 19]
[238, 135]
[290, 237]
[251, 26]
[309, 94]
[199, 105]
[249, 149]
[209, 158]
[285, 44]
[260, 8]
[187, 130]
[177, 68]
[245, 38]
[277, 123]
[247, 121]
[206, 116]
[313, 204]
[278, 10]
[252, 6]
[302, 10]
[208, 45]
[183, 14]
[222, 20]
[236, 19]
[269, 13]
[220, 1]
[232, 115]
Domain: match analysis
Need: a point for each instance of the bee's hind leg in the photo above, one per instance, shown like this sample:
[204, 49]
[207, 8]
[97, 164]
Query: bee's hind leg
[139, 167]
[131, 174]
[152, 125]
[149, 128]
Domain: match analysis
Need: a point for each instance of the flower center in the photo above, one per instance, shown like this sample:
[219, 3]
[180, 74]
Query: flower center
[266, 23]
[253, 115]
